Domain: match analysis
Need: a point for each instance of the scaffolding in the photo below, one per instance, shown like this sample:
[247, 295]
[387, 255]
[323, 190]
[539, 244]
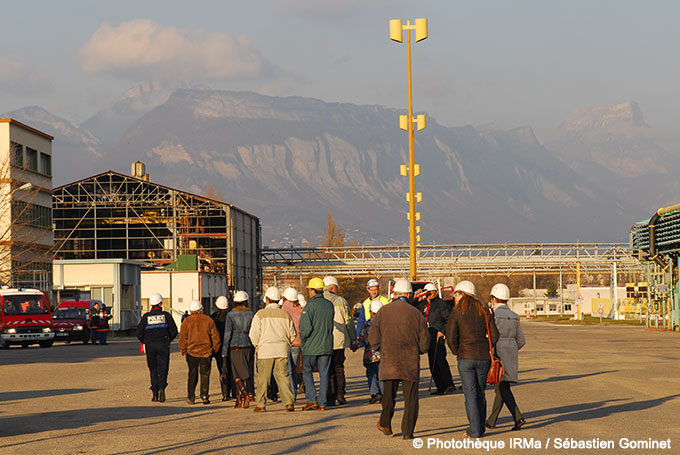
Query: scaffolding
[112, 215]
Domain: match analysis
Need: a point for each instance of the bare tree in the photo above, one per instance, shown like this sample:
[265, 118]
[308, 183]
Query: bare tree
[334, 235]
[211, 192]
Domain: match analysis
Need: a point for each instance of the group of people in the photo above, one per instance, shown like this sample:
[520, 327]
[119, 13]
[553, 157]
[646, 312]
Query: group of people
[401, 334]
[393, 333]
[99, 323]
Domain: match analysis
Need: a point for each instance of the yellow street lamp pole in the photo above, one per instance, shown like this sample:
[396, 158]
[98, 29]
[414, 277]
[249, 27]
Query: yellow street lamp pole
[406, 123]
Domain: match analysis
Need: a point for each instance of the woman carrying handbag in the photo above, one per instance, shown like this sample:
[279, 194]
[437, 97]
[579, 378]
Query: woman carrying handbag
[466, 335]
[509, 343]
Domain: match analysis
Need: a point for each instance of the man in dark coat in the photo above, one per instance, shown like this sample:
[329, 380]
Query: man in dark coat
[436, 313]
[223, 365]
[316, 335]
[157, 329]
[399, 332]
[94, 322]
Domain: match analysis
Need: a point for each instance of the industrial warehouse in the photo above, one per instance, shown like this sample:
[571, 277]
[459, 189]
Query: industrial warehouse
[173, 235]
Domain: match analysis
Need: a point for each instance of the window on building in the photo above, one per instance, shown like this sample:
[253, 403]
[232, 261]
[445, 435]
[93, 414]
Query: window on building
[17, 154]
[45, 164]
[31, 159]
[567, 307]
[32, 274]
[31, 214]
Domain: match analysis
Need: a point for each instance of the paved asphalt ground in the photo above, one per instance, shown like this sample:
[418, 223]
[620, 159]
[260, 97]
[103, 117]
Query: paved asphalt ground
[578, 383]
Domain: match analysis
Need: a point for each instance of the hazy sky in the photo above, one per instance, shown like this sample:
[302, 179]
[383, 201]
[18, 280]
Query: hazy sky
[512, 62]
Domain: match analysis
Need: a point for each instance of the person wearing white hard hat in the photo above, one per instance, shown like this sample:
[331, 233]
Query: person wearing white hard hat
[436, 313]
[219, 316]
[466, 336]
[198, 341]
[399, 332]
[511, 340]
[291, 305]
[371, 357]
[236, 344]
[344, 336]
[156, 330]
[272, 332]
[373, 289]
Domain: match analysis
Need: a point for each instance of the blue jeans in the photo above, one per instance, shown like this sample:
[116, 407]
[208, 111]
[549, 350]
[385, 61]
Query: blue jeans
[293, 357]
[375, 386]
[473, 376]
[324, 377]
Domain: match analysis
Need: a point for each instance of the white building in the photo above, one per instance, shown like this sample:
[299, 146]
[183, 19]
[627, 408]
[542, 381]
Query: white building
[26, 231]
[116, 282]
[179, 288]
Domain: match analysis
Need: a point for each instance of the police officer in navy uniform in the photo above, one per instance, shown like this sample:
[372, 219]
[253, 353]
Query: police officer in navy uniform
[157, 329]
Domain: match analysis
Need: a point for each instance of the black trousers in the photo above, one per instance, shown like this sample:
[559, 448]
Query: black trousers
[198, 365]
[410, 391]
[439, 366]
[503, 396]
[158, 361]
[337, 376]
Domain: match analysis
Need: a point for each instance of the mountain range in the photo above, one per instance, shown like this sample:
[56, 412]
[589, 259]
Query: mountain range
[289, 160]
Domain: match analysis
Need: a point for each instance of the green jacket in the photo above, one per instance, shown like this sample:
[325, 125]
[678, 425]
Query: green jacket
[316, 326]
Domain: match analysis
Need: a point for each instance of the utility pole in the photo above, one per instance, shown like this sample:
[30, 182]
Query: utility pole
[406, 123]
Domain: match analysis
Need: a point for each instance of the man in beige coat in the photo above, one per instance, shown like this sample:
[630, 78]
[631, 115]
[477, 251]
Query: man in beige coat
[272, 331]
[199, 339]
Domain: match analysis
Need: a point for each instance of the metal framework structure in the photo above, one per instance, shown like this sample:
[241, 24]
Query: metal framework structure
[657, 242]
[447, 260]
[113, 215]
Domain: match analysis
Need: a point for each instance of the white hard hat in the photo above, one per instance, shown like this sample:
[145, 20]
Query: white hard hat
[330, 281]
[221, 302]
[466, 287]
[372, 282]
[241, 296]
[376, 305]
[301, 300]
[500, 291]
[290, 294]
[155, 299]
[273, 294]
[430, 287]
[195, 305]
[402, 286]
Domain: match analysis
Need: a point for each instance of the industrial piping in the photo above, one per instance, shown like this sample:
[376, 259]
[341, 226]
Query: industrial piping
[652, 240]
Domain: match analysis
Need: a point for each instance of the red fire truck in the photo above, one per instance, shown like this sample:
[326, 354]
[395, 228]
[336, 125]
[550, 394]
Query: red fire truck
[25, 318]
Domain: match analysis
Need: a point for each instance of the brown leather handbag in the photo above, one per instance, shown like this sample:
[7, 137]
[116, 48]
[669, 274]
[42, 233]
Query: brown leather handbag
[497, 369]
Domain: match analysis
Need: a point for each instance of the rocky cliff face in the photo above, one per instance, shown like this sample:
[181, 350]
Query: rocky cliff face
[289, 160]
[614, 145]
